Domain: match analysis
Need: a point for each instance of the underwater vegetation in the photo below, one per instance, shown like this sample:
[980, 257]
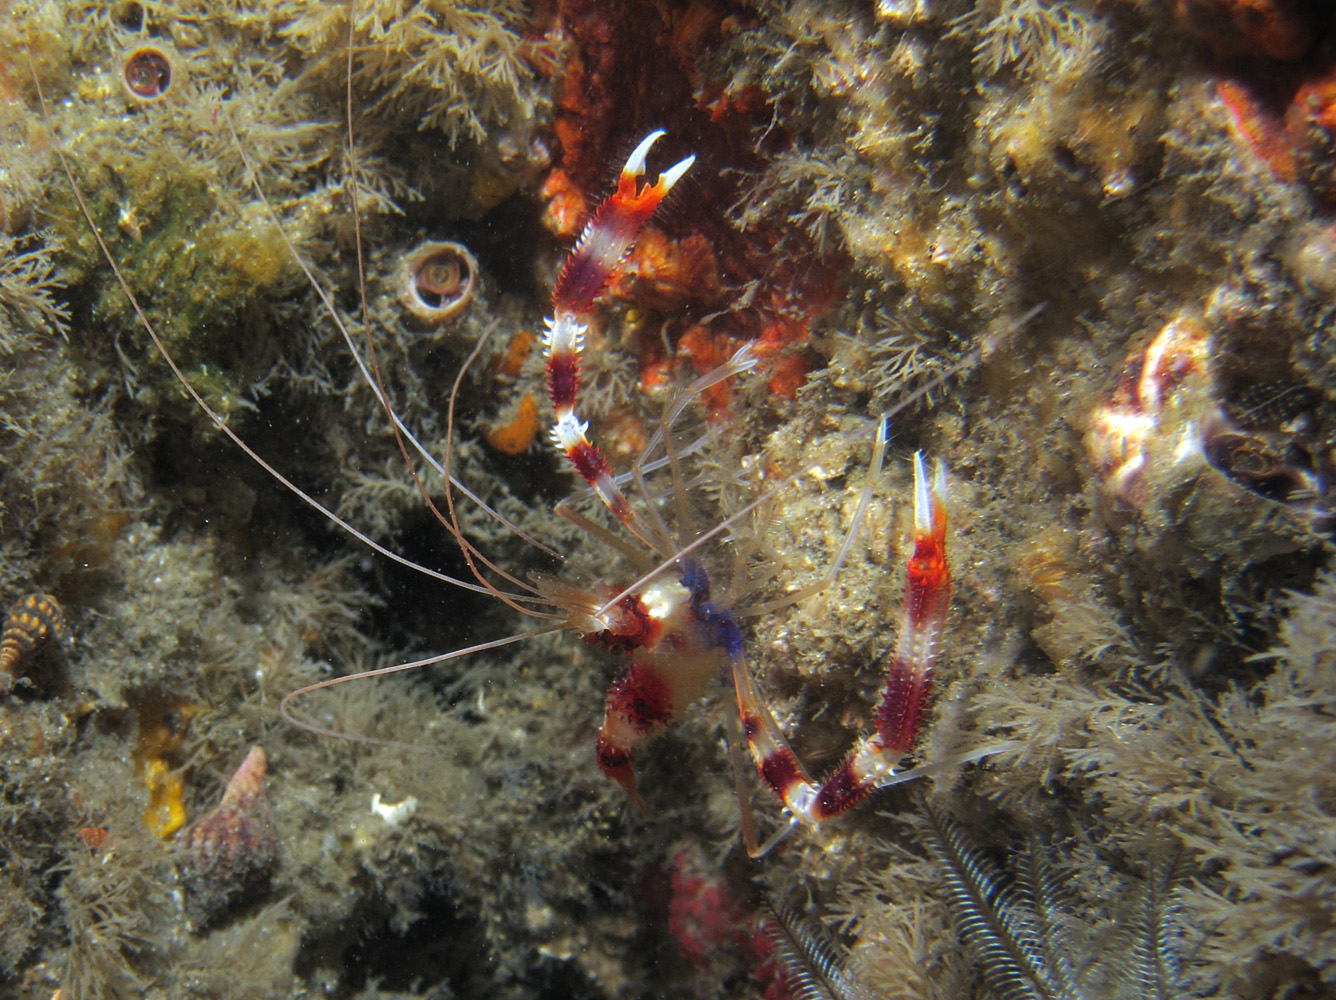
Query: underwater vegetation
[1142, 627]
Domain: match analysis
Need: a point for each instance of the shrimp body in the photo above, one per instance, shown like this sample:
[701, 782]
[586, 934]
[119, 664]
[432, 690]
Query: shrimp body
[676, 638]
[690, 644]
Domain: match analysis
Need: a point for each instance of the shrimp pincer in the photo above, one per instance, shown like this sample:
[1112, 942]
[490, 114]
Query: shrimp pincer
[904, 695]
[605, 243]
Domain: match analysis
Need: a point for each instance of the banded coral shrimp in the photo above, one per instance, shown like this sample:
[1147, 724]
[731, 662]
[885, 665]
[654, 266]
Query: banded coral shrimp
[533, 877]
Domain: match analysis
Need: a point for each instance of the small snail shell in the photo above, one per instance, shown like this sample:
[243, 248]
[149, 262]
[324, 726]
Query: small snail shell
[147, 73]
[1256, 462]
[436, 281]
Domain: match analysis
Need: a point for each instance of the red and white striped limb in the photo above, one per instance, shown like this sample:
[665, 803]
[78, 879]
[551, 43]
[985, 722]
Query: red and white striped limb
[600, 251]
[904, 695]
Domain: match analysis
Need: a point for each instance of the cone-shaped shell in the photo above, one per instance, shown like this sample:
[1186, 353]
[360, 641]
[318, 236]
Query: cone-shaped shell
[232, 851]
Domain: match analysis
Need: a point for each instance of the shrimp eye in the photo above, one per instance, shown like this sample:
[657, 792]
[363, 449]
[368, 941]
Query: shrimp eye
[147, 73]
[436, 281]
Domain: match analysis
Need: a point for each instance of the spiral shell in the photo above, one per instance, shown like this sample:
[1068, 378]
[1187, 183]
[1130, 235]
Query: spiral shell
[436, 281]
[30, 624]
[231, 853]
[147, 73]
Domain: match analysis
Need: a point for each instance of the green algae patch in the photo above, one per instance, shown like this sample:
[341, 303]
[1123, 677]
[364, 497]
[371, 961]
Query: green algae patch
[193, 260]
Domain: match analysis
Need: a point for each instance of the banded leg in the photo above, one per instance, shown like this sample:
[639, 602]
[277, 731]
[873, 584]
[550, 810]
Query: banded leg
[600, 251]
[904, 696]
[643, 700]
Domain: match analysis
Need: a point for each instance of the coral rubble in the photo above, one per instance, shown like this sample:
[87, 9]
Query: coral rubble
[1143, 626]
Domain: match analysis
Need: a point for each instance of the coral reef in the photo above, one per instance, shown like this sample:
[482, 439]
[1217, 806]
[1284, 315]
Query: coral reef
[1140, 493]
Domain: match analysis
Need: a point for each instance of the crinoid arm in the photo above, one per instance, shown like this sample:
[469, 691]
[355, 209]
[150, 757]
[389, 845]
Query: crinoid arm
[1032, 936]
[815, 965]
